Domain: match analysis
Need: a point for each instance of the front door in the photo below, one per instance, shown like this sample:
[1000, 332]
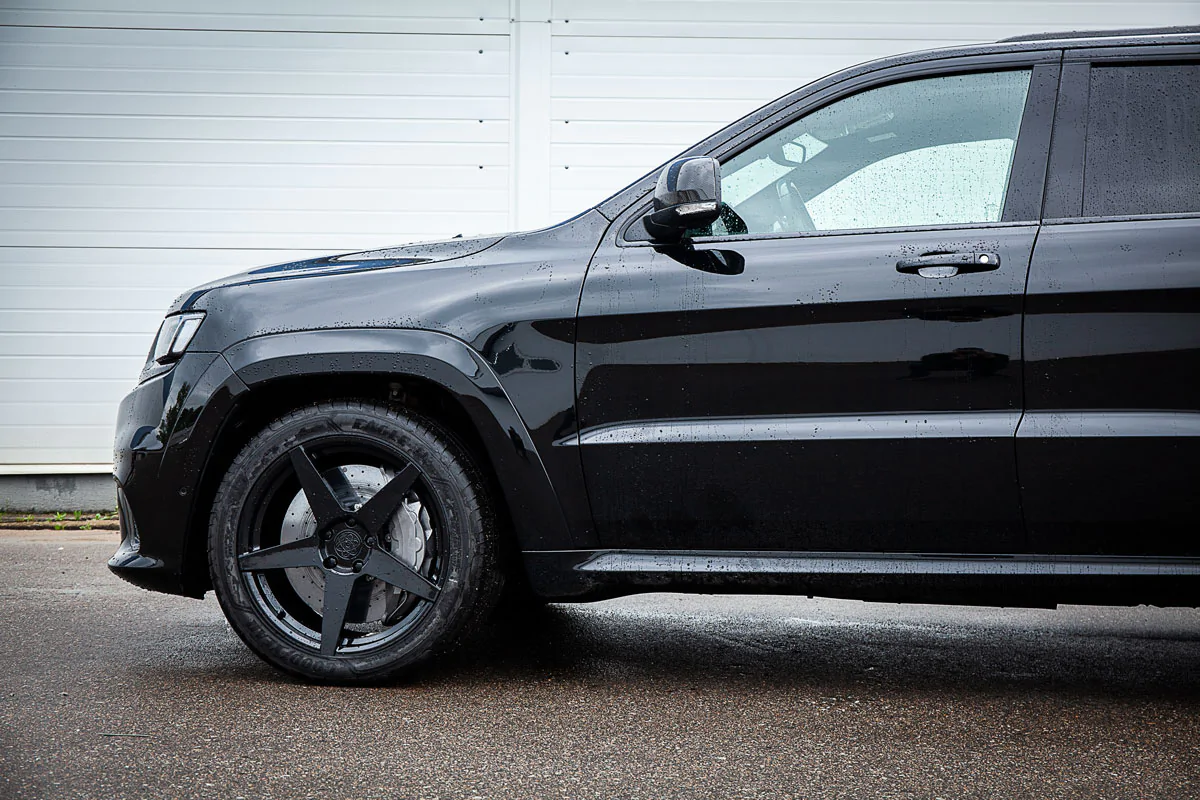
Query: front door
[836, 364]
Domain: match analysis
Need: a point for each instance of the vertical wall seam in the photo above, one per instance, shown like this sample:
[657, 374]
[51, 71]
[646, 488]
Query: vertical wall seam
[529, 84]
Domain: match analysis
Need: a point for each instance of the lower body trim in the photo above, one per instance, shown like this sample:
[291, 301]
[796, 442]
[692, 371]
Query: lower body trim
[649, 561]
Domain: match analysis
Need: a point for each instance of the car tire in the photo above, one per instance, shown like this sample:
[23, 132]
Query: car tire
[331, 598]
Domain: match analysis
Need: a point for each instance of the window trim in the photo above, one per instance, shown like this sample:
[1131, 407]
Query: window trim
[1123, 218]
[754, 237]
[1027, 177]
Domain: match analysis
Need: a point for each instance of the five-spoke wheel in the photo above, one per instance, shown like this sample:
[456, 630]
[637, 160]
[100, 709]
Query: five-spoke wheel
[348, 544]
[332, 551]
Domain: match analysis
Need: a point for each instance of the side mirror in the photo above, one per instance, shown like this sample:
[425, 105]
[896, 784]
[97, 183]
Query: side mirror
[688, 195]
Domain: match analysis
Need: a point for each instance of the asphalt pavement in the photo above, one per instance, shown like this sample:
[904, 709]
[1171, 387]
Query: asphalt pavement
[109, 691]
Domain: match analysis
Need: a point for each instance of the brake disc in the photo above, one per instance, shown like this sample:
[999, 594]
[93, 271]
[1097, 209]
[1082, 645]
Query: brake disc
[407, 537]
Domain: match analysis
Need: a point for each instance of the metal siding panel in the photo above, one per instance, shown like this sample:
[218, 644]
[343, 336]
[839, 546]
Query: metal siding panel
[169, 109]
[19, 390]
[81, 322]
[55, 460]
[55, 343]
[71, 295]
[897, 22]
[51, 413]
[146, 147]
[349, 16]
[88, 368]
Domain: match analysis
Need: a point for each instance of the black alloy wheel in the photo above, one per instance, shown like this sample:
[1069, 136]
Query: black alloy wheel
[350, 542]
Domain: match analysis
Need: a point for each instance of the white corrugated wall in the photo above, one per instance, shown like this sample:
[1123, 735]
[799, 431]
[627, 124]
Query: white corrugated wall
[149, 145]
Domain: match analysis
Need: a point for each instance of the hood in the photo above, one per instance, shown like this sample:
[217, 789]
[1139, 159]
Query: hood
[404, 255]
[471, 289]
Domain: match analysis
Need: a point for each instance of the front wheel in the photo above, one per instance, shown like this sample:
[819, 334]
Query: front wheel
[350, 542]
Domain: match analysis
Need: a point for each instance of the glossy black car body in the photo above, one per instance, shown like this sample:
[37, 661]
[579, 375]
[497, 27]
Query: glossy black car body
[797, 416]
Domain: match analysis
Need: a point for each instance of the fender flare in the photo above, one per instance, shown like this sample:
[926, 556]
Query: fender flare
[538, 519]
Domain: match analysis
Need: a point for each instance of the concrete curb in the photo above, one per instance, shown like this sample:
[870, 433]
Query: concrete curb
[60, 525]
[57, 492]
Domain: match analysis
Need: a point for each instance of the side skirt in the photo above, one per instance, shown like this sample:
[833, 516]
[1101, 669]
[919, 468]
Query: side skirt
[1006, 580]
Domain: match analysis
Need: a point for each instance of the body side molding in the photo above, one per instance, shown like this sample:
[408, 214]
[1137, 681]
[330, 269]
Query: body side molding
[1107, 423]
[1020, 580]
[648, 562]
[908, 425]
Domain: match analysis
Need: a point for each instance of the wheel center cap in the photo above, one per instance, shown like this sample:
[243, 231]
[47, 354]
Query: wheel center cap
[347, 546]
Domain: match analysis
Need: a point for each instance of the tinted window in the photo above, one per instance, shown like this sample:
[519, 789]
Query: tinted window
[935, 151]
[1143, 140]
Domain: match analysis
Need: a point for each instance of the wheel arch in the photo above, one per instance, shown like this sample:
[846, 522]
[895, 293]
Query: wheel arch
[432, 373]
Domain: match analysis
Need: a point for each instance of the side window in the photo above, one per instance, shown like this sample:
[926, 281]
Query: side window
[1143, 140]
[933, 151]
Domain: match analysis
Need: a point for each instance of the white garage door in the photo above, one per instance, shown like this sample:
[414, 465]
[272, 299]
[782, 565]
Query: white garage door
[144, 152]
[148, 146]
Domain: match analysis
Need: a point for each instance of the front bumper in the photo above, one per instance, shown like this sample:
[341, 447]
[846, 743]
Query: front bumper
[165, 431]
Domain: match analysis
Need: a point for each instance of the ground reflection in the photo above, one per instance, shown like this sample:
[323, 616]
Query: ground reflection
[1071, 650]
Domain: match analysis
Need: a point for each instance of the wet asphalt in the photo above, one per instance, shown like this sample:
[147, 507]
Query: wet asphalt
[112, 692]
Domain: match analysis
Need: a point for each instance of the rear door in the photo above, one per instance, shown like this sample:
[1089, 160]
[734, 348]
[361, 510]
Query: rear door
[1109, 447]
[837, 365]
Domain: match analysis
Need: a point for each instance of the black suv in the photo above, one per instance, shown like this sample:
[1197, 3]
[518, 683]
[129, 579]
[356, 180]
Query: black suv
[927, 329]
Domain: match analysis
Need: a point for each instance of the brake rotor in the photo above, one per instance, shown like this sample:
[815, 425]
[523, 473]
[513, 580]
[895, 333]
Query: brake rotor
[407, 536]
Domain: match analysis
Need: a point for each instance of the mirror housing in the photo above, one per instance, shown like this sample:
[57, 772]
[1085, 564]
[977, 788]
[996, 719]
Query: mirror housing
[688, 195]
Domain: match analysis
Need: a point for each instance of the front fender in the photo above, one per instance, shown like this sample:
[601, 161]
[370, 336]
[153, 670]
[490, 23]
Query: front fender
[537, 514]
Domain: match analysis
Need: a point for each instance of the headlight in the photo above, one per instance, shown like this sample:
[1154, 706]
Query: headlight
[174, 335]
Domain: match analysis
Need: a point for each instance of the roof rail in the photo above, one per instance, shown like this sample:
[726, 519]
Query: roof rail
[1040, 37]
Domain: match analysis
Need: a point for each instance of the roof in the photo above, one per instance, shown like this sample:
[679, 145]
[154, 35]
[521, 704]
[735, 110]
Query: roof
[1108, 34]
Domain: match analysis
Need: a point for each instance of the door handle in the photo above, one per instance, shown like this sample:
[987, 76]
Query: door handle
[947, 265]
